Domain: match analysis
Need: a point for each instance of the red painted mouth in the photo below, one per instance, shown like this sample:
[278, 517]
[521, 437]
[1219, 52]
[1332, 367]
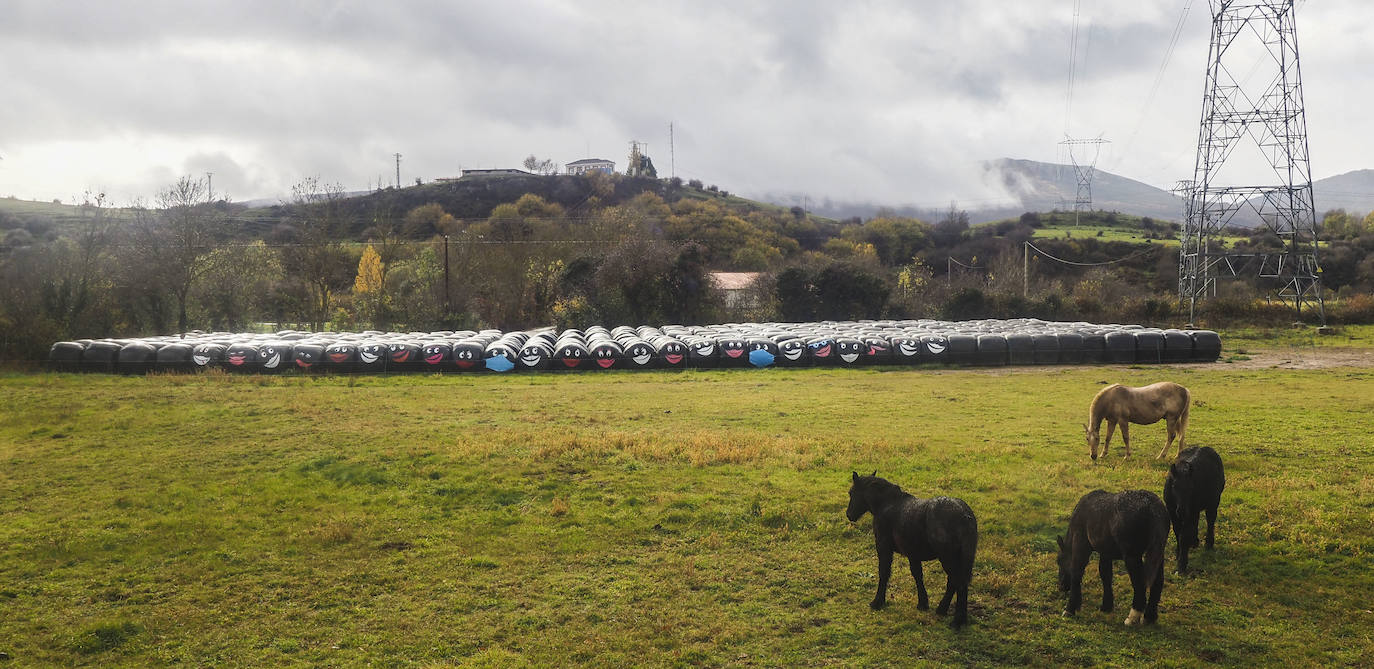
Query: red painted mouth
[822, 352]
[571, 362]
[673, 358]
[236, 359]
[400, 356]
[435, 359]
[338, 357]
[605, 362]
[463, 364]
[303, 364]
[734, 352]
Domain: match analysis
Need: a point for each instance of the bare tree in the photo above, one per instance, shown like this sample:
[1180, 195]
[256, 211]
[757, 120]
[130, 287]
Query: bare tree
[315, 256]
[173, 241]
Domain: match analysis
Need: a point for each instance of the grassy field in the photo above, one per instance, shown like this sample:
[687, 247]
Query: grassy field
[691, 518]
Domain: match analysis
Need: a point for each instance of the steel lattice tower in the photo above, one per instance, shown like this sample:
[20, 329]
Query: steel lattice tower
[1251, 41]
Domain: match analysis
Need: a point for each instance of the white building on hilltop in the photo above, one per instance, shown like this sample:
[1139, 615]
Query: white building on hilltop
[590, 165]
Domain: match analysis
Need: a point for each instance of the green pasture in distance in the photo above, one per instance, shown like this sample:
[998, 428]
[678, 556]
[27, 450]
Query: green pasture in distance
[649, 519]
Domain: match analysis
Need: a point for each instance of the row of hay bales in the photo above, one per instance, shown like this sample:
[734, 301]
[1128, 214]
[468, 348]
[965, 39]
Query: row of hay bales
[829, 343]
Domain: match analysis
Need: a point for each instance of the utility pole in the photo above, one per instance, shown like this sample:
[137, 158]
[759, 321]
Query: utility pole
[398, 170]
[1083, 198]
[1025, 270]
[447, 307]
[672, 154]
[210, 186]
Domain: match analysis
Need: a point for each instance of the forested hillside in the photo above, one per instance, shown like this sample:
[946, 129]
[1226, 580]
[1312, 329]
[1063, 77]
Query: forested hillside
[573, 251]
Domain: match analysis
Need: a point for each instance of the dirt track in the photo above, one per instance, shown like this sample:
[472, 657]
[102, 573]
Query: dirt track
[1303, 358]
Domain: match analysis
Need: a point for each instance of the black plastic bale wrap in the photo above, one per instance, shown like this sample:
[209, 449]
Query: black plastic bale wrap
[606, 354]
[308, 357]
[100, 356]
[534, 355]
[570, 354]
[65, 356]
[792, 352]
[1206, 345]
[906, 349]
[848, 350]
[1149, 346]
[992, 350]
[1020, 348]
[963, 348]
[702, 352]
[1070, 348]
[670, 352]
[1178, 346]
[241, 357]
[1095, 347]
[208, 355]
[174, 357]
[136, 358]
[403, 356]
[1121, 346]
[1046, 348]
[467, 355]
[764, 344]
[822, 351]
[934, 348]
[372, 356]
[275, 357]
[638, 353]
[341, 357]
[877, 350]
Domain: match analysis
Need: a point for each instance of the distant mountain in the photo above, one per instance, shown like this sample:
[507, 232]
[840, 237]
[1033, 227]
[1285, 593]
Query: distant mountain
[1352, 191]
[1047, 186]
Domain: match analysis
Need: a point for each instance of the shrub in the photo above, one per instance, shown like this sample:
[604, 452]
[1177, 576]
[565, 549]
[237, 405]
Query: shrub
[1354, 309]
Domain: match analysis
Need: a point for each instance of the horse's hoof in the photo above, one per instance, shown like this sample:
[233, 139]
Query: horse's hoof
[876, 605]
[958, 622]
[1066, 614]
[1133, 618]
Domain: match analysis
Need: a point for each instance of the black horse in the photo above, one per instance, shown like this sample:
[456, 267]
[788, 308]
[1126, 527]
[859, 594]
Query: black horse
[1193, 485]
[1132, 526]
[940, 528]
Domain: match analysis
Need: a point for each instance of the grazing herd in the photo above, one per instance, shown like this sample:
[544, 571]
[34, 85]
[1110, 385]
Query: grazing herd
[1131, 526]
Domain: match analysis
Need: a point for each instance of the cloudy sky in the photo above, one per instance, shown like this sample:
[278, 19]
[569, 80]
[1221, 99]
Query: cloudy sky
[891, 102]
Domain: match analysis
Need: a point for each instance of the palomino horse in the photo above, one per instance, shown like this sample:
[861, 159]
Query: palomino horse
[1121, 405]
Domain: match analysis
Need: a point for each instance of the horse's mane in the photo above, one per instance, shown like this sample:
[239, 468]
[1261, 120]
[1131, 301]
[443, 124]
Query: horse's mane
[884, 488]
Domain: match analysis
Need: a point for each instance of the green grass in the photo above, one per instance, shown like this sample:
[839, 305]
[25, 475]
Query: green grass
[691, 518]
[1237, 339]
[1101, 233]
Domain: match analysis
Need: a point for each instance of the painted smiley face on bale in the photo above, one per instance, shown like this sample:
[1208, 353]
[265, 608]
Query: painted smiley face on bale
[270, 356]
[907, 348]
[935, 345]
[733, 348]
[848, 350]
[820, 348]
[434, 354]
[640, 354]
[240, 355]
[369, 354]
[792, 349]
[465, 357]
[533, 356]
[704, 349]
[306, 356]
[571, 355]
[673, 352]
[400, 353]
[339, 353]
[604, 355]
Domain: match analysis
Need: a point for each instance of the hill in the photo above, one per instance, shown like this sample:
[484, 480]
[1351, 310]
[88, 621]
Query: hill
[1044, 187]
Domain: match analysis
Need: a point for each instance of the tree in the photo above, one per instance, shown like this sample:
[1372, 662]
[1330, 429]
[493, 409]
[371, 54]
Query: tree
[171, 243]
[369, 286]
[314, 257]
[638, 164]
[545, 166]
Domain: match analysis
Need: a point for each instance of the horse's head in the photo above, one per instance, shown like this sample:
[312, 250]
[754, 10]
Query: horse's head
[1092, 438]
[858, 502]
[1065, 566]
[1178, 489]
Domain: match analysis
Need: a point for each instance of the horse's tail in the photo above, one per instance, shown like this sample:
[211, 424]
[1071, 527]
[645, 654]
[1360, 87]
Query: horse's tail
[1154, 550]
[1183, 417]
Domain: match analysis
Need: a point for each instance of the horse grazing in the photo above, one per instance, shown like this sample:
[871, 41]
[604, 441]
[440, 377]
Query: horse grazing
[940, 528]
[1193, 485]
[1132, 526]
[1121, 405]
